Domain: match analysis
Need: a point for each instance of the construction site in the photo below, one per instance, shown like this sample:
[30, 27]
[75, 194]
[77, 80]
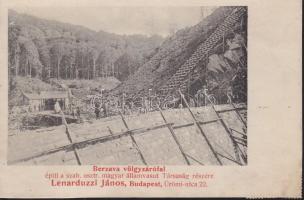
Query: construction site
[186, 104]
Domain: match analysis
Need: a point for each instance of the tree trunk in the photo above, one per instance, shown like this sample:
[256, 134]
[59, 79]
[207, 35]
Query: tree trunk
[113, 71]
[88, 70]
[25, 68]
[81, 65]
[16, 65]
[49, 71]
[94, 69]
[76, 73]
[101, 69]
[30, 66]
[70, 69]
[58, 67]
[106, 75]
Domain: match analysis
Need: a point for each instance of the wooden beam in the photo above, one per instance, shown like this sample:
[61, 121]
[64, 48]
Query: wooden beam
[174, 137]
[240, 139]
[110, 130]
[193, 123]
[239, 115]
[229, 110]
[194, 159]
[133, 140]
[231, 159]
[70, 138]
[238, 132]
[200, 129]
[235, 146]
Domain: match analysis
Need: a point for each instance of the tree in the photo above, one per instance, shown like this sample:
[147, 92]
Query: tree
[126, 65]
[44, 57]
[57, 51]
[13, 48]
[94, 54]
[29, 58]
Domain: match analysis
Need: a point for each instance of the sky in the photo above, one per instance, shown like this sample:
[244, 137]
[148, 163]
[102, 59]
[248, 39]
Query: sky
[123, 20]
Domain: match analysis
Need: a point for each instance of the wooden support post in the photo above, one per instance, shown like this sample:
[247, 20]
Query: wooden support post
[174, 136]
[110, 130]
[194, 159]
[239, 115]
[133, 139]
[238, 132]
[236, 147]
[231, 159]
[200, 129]
[240, 139]
[69, 137]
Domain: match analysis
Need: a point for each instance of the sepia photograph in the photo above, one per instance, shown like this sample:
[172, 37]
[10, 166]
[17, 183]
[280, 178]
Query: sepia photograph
[127, 85]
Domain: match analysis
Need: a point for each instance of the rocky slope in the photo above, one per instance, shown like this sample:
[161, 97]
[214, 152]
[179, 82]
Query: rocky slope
[173, 52]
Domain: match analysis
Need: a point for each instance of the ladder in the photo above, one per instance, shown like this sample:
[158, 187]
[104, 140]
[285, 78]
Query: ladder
[180, 78]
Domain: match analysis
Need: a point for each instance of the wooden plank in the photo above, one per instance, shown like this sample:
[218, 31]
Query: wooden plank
[241, 143]
[231, 159]
[239, 115]
[111, 132]
[133, 140]
[191, 124]
[235, 146]
[194, 159]
[70, 138]
[231, 109]
[174, 137]
[240, 139]
[200, 129]
[238, 132]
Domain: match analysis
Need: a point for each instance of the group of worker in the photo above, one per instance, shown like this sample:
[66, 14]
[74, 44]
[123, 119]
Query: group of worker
[74, 109]
[127, 106]
[101, 106]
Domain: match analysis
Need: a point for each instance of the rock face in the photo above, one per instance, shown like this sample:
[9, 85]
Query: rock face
[43, 146]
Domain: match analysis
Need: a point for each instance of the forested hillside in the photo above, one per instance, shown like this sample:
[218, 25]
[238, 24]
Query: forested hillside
[50, 49]
[45, 49]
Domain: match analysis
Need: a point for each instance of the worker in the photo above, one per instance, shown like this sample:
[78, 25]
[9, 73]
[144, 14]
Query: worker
[146, 104]
[205, 93]
[97, 110]
[74, 111]
[180, 106]
[132, 106]
[123, 103]
[78, 112]
[191, 102]
[105, 109]
[229, 94]
[57, 107]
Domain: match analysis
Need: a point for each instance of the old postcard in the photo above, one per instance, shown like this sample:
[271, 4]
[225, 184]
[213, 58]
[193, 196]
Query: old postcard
[150, 98]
